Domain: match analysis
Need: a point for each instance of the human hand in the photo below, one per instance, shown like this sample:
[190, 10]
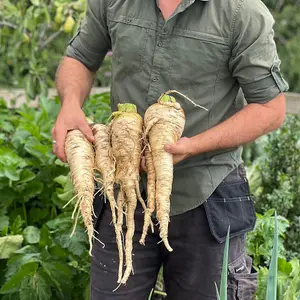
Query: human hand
[181, 150]
[69, 118]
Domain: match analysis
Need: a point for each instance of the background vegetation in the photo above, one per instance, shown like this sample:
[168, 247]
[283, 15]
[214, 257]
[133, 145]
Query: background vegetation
[38, 259]
[34, 35]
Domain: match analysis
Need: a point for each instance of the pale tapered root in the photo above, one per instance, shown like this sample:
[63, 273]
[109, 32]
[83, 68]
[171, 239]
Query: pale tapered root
[164, 123]
[151, 194]
[126, 140]
[80, 157]
[119, 231]
[131, 201]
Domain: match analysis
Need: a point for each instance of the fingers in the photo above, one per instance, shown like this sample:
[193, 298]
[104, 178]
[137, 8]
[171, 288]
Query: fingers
[181, 147]
[59, 137]
[174, 149]
[84, 127]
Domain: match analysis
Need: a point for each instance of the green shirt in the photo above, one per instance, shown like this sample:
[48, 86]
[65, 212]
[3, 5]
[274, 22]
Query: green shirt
[217, 52]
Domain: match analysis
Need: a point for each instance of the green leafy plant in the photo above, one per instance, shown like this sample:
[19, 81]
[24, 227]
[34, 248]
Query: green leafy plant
[38, 258]
[275, 177]
[287, 33]
[32, 32]
[222, 295]
[259, 241]
[272, 277]
[282, 280]
[33, 37]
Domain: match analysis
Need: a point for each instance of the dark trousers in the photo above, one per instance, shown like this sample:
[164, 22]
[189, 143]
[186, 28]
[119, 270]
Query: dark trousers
[192, 269]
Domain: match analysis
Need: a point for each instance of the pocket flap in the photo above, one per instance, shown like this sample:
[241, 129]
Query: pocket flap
[238, 213]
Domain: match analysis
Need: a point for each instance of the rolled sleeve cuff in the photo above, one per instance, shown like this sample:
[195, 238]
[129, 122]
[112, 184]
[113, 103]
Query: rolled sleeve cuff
[87, 58]
[77, 50]
[266, 89]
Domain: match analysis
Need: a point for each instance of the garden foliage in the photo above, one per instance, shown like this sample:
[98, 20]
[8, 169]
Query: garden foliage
[38, 258]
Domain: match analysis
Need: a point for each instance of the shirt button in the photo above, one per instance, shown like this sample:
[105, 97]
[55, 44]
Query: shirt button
[165, 31]
[154, 79]
[128, 20]
[159, 44]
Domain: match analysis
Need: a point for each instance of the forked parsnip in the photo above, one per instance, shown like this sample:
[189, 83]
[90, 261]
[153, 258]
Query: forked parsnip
[126, 130]
[164, 123]
[80, 157]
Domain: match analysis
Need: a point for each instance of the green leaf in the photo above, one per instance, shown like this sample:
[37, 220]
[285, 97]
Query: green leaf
[11, 296]
[17, 225]
[58, 162]
[9, 158]
[7, 196]
[35, 2]
[26, 176]
[28, 249]
[4, 222]
[12, 173]
[57, 251]
[291, 291]
[50, 106]
[3, 104]
[35, 214]
[16, 279]
[31, 235]
[62, 180]
[66, 196]
[59, 274]
[45, 239]
[282, 282]
[62, 222]
[295, 266]
[284, 266]
[32, 189]
[9, 244]
[36, 287]
[6, 126]
[28, 288]
[27, 255]
[223, 288]
[42, 152]
[43, 286]
[272, 278]
[87, 291]
[20, 137]
[75, 244]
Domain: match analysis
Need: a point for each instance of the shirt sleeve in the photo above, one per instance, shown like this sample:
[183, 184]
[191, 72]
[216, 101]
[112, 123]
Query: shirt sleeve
[91, 42]
[254, 61]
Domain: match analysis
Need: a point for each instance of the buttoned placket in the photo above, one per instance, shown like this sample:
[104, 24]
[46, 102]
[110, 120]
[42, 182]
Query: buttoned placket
[164, 31]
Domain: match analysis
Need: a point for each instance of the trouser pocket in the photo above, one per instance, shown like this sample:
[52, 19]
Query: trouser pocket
[231, 205]
[242, 279]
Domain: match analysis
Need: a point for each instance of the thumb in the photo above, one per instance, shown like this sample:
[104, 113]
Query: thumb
[87, 131]
[175, 148]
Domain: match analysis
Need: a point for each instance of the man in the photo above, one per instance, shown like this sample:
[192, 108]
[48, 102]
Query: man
[211, 51]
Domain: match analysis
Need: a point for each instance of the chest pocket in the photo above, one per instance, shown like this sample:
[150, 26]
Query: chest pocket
[207, 54]
[130, 39]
